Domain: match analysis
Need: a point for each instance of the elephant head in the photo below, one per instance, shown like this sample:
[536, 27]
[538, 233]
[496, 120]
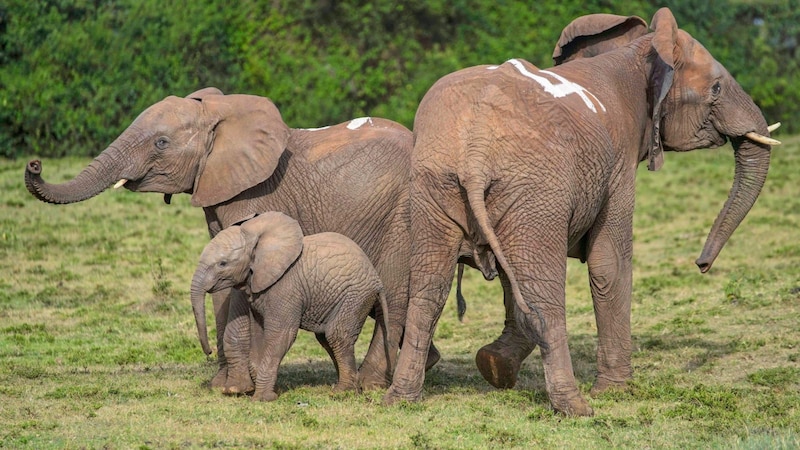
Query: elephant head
[695, 103]
[210, 145]
[253, 255]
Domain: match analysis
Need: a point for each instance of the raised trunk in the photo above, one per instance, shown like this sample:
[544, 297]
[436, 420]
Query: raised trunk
[198, 295]
[752, 164]
[101, 173]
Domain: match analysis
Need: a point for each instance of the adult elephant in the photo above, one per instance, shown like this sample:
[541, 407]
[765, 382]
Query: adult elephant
[516, 168]
[587, 36]
[237, 158]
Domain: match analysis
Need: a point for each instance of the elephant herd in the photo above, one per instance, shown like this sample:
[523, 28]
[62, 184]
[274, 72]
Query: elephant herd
[510, 169]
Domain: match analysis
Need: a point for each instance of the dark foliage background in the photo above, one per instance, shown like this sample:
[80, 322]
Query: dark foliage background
[75, 73]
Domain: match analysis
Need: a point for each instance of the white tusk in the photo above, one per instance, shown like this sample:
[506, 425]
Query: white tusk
[774, 127]
[120, 183]
[755, 137]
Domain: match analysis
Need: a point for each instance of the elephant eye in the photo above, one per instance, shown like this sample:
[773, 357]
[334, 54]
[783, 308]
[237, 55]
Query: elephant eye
[223, 263]
[162, 143]
[715, 89]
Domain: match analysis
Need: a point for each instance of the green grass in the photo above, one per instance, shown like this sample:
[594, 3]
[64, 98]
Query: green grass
[98, 346]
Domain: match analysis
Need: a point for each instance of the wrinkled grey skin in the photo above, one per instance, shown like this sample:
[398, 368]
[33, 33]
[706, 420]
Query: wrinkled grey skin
[237, 158]
[321, 283]
[515, 174]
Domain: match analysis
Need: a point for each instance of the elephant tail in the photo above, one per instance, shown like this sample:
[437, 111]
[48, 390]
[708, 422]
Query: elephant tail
[524, 312]
[385, 311]
[461, 303]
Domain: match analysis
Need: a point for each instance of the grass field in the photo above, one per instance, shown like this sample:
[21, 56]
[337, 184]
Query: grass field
[98, 347]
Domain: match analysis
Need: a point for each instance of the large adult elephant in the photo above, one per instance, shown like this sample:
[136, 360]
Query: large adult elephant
[237, 158]
[516, 168]
[587, 36]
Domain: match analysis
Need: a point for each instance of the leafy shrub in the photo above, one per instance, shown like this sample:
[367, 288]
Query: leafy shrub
[75, 73]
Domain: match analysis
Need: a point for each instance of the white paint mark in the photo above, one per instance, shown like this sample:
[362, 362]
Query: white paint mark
[316, 129]
[561, 89]
[358, 123]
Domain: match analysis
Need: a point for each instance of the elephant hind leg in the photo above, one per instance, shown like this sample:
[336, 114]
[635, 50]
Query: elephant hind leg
[323, 341]
[436, 241]
[499, 362]
[341, 337]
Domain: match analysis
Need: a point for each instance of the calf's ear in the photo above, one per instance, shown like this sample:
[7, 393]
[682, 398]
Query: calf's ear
[278, 242]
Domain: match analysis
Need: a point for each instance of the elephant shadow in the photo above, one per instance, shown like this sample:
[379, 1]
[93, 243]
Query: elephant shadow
[293, 375]
[459, 374]
[710, 351]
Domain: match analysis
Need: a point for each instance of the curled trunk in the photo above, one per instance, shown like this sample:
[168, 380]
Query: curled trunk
[752, 164]
[101, 173]
[198, 296]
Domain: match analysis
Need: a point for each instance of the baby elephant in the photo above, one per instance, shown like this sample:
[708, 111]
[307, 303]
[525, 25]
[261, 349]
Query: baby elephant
[322, 283]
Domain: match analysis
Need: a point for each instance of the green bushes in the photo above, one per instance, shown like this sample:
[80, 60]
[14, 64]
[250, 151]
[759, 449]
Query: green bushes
[73, 74]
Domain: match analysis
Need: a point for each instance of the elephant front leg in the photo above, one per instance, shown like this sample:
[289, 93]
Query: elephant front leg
[236, 342]
[221, 306]
[500, 361]
[279, 335]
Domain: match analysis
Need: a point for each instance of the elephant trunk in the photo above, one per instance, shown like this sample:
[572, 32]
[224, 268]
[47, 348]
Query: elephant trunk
[94, 179]
[198, 296]
[752, 164]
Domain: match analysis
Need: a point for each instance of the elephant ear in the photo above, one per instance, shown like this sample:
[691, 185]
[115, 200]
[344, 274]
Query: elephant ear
[203, 93]
[278, 241]
[249, 138]
[665, 38]
[594, 34]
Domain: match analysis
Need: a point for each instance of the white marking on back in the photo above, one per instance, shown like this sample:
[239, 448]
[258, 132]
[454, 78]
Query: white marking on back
[316, 129]
[358, 123]
[558, 90]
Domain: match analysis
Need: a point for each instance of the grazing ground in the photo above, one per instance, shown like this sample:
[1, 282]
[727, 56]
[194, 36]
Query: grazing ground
[98, 347]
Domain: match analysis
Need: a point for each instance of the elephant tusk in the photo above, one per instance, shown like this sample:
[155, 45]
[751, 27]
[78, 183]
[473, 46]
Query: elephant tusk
[774, 127]
[755, 137]
[120, 183]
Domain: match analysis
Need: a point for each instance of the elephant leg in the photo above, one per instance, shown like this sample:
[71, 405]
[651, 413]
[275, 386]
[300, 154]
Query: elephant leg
[611, 280]
[323, 341]
[375, 370]
[342, 337]
[435, 244]
[392, 266]
[237, 344]
[256, 342]
[279, 336]
[541, 279]
[535, 250]
[221, 306]
[500, 361]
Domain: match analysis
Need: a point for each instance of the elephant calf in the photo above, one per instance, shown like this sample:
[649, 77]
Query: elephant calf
[323, 283]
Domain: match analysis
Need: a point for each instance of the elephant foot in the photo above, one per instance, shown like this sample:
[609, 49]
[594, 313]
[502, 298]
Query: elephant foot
[346, 386]
[602, 385]
[392, 397]
[433, 357]
[571, 405]
[499, 362]
[264, 396]
[372, 377]
[239, 385]
[219, 380]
